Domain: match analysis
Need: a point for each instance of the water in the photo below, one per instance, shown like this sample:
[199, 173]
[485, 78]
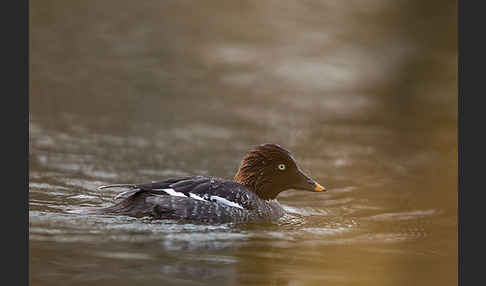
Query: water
[363, 94]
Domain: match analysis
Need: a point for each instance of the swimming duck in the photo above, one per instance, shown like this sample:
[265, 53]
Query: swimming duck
[265, 171]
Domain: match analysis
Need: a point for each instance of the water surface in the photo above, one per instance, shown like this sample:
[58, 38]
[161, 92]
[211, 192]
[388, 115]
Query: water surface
[364, 95]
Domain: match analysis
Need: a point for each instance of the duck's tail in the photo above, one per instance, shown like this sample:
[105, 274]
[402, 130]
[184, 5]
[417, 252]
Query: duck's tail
[133, 189]
[134, 205]
[131, 186]
[133, 202]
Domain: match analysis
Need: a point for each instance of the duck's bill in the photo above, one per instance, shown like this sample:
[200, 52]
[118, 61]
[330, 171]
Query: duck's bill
[307, 183]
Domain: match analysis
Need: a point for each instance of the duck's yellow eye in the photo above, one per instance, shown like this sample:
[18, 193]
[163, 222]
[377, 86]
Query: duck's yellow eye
[281, 167]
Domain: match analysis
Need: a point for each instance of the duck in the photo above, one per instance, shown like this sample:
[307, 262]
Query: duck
[251, 196]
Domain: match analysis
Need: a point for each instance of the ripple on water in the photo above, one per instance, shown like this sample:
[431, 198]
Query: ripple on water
[305, 211]
[163, 173]
[204, 240]
[403, 215]
[45, 186]
[84, 197]
[59, 227]
[290, 220]
[125, 255]
[344, 190]
[326, 231]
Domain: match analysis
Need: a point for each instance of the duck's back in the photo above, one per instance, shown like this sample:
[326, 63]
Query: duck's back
[198, 198]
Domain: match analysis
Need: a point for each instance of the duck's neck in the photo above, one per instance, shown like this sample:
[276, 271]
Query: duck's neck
[246, 179]
[256, 183]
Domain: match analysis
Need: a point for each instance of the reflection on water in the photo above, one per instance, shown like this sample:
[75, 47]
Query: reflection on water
[363, 94]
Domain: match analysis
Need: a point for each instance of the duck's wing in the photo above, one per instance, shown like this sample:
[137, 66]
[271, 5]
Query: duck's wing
[153, 187]
[220, 191]
[200, 188]
[148, 186]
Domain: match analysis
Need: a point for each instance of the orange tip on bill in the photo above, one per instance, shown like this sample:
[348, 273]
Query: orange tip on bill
[319, 188]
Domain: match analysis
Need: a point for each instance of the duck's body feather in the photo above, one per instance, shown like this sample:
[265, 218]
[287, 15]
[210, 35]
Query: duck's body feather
[197, 198]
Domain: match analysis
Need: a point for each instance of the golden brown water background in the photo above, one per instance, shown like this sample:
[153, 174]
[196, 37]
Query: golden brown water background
[362, 92]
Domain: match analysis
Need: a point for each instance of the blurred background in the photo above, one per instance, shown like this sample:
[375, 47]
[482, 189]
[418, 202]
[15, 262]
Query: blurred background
[363, 93]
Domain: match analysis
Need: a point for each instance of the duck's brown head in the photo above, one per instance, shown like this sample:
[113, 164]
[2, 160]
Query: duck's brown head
[269, 169]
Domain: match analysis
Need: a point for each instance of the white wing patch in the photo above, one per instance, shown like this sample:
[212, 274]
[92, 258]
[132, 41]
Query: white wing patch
[196, 197]
[171, 192]
[216, 199]
[225, 202]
